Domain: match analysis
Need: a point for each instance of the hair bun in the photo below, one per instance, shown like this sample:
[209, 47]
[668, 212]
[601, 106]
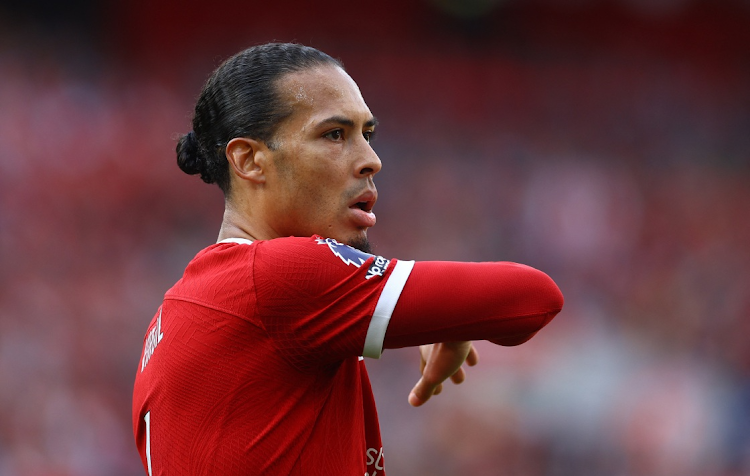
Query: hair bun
[190, 157]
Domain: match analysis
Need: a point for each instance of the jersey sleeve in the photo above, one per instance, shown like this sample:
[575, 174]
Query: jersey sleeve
[321, 301]
[506, 303]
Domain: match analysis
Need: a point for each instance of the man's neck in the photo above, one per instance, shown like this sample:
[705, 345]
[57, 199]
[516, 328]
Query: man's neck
[233, 226]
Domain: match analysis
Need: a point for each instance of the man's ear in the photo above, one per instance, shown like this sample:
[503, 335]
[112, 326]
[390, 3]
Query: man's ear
[248, 158]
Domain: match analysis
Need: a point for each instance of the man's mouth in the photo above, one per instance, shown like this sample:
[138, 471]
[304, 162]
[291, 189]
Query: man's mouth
[363, 205]
[365, 201]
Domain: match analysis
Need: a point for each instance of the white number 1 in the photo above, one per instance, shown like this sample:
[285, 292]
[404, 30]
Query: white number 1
[147, 419]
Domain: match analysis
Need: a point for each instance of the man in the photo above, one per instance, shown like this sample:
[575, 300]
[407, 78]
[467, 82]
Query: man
[252, 364]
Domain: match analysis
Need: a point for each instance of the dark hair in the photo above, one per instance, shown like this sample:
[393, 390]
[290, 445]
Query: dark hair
[240, 100]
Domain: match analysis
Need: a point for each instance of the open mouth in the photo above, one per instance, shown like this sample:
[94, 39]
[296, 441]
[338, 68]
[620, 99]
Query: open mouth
[364, 206]
[366, 201]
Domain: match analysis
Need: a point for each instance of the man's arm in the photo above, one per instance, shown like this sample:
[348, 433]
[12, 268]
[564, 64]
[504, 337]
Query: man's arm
[506, 303]
[453, 303]
[323, 301]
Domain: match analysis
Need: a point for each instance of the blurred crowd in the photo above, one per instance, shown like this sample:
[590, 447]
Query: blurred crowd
[621, 172]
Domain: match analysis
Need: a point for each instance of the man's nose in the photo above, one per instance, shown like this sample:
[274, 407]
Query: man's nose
[370, 162]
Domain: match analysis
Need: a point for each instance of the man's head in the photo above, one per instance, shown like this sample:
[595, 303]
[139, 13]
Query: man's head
[284, 131]
[240, 100]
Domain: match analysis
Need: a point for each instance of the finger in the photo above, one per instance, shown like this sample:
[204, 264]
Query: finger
[424, 354]
[459, 376]
[420, 393]
[473, 358]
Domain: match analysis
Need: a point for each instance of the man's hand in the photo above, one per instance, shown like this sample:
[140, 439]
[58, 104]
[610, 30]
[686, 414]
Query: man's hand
[440, 362]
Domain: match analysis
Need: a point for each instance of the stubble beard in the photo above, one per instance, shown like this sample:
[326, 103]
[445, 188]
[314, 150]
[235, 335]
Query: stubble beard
[361, 243]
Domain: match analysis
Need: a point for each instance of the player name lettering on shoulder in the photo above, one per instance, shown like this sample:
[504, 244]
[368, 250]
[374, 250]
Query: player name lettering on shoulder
[154, 337]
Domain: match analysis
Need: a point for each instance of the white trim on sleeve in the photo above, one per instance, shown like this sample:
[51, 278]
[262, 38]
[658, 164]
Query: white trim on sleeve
[384, 308]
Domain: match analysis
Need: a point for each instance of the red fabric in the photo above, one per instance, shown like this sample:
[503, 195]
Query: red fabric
[258, 370]
[506, 303]
[251, 364]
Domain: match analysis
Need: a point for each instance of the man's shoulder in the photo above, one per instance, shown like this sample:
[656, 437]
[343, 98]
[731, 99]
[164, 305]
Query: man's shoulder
[231, 254]
[222, 254]
[312, 249]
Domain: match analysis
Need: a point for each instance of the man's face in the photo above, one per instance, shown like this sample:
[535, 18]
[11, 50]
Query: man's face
[321, 177]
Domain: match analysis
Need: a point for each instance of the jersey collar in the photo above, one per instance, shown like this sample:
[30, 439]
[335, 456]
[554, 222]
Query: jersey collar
[241, 241]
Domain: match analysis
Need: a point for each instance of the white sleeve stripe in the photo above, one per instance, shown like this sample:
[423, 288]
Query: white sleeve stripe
[384, 308]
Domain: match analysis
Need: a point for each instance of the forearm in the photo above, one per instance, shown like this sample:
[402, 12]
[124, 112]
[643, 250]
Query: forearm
[505, 303]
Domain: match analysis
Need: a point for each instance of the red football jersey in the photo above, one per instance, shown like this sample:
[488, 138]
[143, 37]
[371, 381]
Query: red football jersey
[252, 364]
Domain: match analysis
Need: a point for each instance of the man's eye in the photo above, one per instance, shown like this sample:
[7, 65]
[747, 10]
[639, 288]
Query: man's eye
[369, 136]
[337, 134]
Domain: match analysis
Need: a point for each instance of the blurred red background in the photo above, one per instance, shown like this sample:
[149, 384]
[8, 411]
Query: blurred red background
[605, 142]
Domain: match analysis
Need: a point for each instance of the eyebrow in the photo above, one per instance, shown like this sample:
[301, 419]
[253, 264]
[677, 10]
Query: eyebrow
[345, 121]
